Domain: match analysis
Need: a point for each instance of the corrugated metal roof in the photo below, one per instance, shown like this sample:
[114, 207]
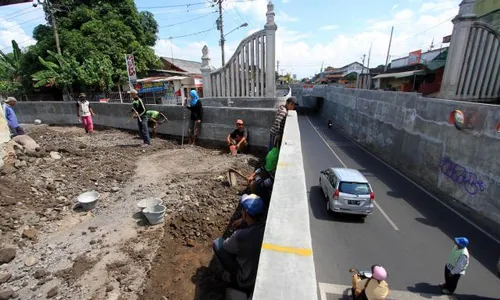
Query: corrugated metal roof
[192, 67]
[400, 74]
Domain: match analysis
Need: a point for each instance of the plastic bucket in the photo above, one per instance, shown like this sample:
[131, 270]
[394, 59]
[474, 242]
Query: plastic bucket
[88, 200]
[155, 214]
[149, 202]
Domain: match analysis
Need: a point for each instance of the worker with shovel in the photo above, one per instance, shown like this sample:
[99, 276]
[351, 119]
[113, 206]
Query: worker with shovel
[156, 118]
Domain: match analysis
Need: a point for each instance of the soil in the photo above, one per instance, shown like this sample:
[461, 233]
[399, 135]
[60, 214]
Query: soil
[111, 252]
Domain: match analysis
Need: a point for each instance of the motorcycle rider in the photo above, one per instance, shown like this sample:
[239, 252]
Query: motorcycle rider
[330, 124]
[374, 288]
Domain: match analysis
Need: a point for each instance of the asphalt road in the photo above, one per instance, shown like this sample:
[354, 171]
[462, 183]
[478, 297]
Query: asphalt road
[412, 240]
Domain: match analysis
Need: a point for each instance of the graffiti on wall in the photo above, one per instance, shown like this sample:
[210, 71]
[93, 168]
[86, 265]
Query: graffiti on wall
[460, 175]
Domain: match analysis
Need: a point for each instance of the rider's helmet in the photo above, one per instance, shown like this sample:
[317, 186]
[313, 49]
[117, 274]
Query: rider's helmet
[379, 273]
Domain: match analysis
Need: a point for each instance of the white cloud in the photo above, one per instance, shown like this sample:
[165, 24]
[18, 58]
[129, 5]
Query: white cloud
[438, 6]
[283, 17]
[329, 27]
[10, 30]
[413, 30]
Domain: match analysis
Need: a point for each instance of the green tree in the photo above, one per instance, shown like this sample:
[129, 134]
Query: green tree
[97, 32]
[61, 74]
[11, 73]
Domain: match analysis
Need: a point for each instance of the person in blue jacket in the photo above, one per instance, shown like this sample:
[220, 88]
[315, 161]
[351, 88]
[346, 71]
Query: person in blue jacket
[194, 105]
[10, 116]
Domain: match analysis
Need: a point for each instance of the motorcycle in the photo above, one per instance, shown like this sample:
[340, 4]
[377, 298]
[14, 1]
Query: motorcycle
[361, 275]
[330, 124]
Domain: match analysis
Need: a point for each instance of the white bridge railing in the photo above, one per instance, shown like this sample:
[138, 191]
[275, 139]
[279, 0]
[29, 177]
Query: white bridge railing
[250, 72]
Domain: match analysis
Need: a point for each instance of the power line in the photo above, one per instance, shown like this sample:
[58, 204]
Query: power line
[18, 44]
[180, 11]
[186, 35]
[26, 8]
[170, 6]
[15, 16]
[17, 24]
[182, 22]
[432, 27]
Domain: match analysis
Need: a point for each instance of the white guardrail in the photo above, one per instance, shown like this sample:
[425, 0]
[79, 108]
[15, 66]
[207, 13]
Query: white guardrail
[286, 267]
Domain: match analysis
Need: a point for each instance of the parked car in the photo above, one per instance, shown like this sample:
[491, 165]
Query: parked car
[347, 191]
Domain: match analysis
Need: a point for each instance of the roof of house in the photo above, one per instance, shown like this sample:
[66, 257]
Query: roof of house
[189, 66]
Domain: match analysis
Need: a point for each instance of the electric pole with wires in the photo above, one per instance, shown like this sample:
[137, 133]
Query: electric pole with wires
[220, 27]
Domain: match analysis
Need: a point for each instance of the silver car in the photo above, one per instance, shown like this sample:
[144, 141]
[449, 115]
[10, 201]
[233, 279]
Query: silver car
[347, 191]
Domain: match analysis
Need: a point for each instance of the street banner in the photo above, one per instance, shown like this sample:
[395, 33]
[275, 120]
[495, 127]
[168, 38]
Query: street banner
[414, 57]
[446, 39]
[132, 74]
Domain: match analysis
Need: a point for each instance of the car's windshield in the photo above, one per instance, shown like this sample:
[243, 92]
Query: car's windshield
[355, 188]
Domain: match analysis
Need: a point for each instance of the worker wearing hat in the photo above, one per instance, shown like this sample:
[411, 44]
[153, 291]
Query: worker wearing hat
[239, 254]
[11, 117]
[456, 266]
[238, 139]
[139, 110]
[84, 112]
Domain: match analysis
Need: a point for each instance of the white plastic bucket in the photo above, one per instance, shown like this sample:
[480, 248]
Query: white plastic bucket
[88, 200]
[149, 202]
[155, 214]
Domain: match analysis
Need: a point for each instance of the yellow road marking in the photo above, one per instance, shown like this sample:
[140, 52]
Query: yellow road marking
[284, 249]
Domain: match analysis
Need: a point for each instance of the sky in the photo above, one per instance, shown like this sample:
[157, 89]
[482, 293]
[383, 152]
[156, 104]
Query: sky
[310, 32]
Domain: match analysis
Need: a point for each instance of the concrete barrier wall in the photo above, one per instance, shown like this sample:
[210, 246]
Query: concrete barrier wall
[413, 133]
[243, 102]
[286, 266]
[218, 122]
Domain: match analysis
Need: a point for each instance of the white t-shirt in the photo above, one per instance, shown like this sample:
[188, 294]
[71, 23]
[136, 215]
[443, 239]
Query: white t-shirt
[84, 108]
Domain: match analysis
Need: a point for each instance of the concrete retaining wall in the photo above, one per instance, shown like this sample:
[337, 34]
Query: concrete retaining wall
[413, 133]
[286, 266]
[218, 121]
[243, 102]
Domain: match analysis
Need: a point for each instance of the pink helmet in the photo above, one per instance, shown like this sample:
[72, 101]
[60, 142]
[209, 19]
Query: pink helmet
[379, 273]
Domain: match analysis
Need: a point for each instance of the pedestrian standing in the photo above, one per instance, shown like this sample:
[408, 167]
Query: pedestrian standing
[456, 266]
[11, 117]
[279, 123]
[194, 105]
[84, 112]
[139, 109]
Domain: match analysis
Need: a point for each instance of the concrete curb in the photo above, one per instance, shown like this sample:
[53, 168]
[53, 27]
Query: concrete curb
[286, 266]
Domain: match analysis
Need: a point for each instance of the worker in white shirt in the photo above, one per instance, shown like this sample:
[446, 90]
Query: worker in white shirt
[456, 266]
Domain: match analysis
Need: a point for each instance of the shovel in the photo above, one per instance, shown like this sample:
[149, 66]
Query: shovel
[232, 177]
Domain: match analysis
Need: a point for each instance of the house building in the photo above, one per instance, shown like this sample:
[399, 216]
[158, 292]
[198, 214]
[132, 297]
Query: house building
[417, 72]
[346, 75]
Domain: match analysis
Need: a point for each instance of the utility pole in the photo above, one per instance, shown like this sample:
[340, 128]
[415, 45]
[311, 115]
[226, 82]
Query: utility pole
[54, 25]
[220, 27]
[388, 50]
[278, 66]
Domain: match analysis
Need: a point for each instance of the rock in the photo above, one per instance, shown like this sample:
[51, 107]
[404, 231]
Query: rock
[190, 243]
[7, 254]
[30, 261]
[115, 189]
[109, 288]
[15, 295]
[30, 233]
[40, 273]
[6, 293]
[4, 277]
[55, 155]
[53, 292]
[38, 122]
[20, 164]
[92, 228]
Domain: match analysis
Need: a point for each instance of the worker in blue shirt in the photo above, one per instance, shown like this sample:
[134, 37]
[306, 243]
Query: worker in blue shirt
[10, 116]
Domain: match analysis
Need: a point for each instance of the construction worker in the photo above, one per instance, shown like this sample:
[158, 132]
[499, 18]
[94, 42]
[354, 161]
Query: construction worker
[11, 117]
[456, 266]
[238, 139]
[156, 118]
[139, 109]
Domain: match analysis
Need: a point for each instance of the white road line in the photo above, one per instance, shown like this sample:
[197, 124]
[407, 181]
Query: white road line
[422, 189]
[344, 290]
[394, 226]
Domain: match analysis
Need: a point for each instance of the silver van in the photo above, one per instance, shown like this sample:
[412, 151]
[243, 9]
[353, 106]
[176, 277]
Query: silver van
[347, 191]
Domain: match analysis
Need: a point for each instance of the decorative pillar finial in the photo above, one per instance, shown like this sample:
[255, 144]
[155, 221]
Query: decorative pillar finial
[270, 16]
